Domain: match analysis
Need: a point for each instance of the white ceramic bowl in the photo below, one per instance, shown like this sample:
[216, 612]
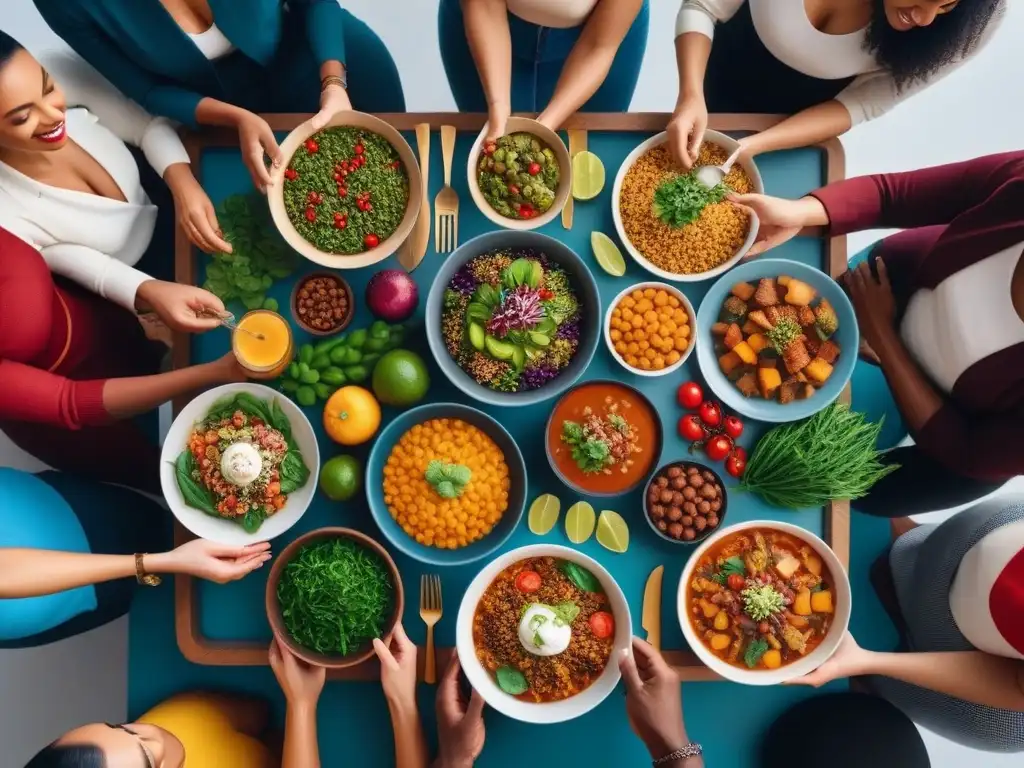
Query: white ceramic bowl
[810, 662]
[728, 144]
[546, 136]
[227, 531]
[689, 311]
[481, 679]
[275, 193]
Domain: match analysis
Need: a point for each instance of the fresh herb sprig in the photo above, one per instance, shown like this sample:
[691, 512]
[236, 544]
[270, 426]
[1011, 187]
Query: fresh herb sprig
[755, 651]
[680, 200]
[832, 455]
[591, 455]
[449, 480]
[733, 565]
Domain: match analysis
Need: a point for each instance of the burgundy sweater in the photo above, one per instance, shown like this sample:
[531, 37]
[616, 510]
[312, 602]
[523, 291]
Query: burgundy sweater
[953, 216]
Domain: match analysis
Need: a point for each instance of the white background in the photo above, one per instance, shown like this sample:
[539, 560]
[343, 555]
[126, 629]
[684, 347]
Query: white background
[975, 111]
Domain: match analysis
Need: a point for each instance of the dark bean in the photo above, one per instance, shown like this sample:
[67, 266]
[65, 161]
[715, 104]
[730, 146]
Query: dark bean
[704, 507]
[675, 530]
[688, 534]
[674, 514]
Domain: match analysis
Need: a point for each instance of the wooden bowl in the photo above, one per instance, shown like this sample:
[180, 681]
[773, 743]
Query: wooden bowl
[331, 661]
[275, 193]
[293, 301]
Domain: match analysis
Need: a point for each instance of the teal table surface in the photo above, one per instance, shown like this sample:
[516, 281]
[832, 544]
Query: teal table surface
[353, 719]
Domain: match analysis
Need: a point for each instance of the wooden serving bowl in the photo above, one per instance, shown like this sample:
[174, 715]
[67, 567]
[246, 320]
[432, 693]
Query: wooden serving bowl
[349, 296]
[330, 661]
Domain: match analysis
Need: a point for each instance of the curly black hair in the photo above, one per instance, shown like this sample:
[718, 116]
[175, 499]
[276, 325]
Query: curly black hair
[917, 53]
[8, 47]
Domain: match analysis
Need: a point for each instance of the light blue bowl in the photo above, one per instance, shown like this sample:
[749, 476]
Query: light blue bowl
[847, 337]
[389, 526]
[586, 292]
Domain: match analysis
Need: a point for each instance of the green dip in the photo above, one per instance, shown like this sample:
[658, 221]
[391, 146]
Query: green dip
[518, 176]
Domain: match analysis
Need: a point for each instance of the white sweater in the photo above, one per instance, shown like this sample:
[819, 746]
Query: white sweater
[788, 34]
[90, 239]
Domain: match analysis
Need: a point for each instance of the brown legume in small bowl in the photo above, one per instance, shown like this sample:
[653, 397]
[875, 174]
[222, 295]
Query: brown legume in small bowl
[685, 502]
[322, 303]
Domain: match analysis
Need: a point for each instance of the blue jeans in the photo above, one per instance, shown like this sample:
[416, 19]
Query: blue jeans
[538, 54]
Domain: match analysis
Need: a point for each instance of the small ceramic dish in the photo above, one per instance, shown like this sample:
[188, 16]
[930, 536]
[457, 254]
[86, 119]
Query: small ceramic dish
[668, 511]
[691, 319]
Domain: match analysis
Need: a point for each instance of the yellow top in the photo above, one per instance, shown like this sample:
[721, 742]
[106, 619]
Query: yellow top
[208, 726]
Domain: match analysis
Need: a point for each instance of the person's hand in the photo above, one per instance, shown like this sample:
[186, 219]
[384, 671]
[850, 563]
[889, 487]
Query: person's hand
[849, 660]
[214, 562]
[333, 99]
[460, 722]
[256, 141]
[302, 683]
[872, 301]
[397, 667]
[686, 130]
[179, 306]
[196, 215]
[779, 220]
[226, 369]
[654, 699]
[497, 117]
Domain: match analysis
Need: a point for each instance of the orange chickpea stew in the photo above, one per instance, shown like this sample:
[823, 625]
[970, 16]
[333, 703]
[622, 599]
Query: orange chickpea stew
[241, 462]
[446, 483]
[761, 599]
[650, 329]
[544, 629]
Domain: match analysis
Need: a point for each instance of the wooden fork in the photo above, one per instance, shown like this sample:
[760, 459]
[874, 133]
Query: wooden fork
[430, 612]
[446, 204]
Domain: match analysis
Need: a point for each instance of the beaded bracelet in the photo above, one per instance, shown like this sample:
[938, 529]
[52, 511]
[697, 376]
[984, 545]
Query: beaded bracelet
[690, 750]
[333, 80]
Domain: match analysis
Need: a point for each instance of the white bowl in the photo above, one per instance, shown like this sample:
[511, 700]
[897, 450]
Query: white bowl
[227, 531]
[546, 136]
[689, 311]
[728, 144]
[810, 662]
[553, 711]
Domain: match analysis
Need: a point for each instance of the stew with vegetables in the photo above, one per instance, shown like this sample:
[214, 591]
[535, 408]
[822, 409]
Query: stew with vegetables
[761, 599]
[544, 629]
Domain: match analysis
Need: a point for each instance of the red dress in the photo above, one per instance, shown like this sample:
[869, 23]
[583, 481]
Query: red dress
[59, 344]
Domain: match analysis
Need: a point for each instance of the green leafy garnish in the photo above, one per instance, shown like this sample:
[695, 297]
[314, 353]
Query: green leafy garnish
[761, 602]
[449, 480]
[566, 612]
[194, 493]
[581, 577]
[680, 200]
[511, 680]
[733, 565]
[335, 596]
[755, 651]
[590, 455]
[783, 333]
[538, 641]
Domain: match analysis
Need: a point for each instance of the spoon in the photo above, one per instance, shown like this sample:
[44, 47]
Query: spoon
[228, 321]
[712, 175]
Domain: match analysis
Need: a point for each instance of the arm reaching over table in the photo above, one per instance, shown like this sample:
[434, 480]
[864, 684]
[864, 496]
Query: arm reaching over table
[398, 678]
[460, 721]
[302, 684]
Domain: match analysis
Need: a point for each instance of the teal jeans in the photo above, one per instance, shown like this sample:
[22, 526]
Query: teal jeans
[538, 54]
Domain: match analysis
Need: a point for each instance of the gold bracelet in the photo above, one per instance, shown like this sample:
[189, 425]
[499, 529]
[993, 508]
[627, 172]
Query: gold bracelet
[333, 80]
[146, 579]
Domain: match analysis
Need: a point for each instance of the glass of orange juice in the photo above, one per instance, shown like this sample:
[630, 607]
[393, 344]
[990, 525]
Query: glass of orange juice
[266, 357]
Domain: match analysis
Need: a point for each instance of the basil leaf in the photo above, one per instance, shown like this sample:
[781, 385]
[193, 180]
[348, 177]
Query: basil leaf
[253, 519]
[193, 492]
[754, 652]
[511, 680]
[279, 421]
[581, 577]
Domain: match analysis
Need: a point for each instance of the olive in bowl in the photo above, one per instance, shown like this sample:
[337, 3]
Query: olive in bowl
[322, 303]
[685, 501]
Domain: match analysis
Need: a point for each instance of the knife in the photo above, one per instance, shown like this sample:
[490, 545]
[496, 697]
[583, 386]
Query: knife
[415, 248]
[651, 619]
[577, 143]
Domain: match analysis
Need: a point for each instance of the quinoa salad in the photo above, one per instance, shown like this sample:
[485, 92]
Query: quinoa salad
[511, 319]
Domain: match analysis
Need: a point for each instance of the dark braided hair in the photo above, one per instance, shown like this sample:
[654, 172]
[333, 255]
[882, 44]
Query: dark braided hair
[917, 53]
[8, 47]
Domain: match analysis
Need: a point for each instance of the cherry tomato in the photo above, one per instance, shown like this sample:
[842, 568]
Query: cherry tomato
[528, 581]
[371, 241]
[602, 624]
[735, 582]
[533, 169]
[358, 149]
[311, 214]
[513, 189]
[291, 174]
[311, 146]
[735, 466]
[342, 191]
[396, 165]
[733, 426]
[718, 447]
[340, 223]
[690, 395]
[710, 413]
[739, 452]
[690, 428]
[490, 147]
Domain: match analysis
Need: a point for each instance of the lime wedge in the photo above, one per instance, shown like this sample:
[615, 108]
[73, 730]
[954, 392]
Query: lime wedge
[544, 514]
[612, 531]
[587, 175]
[607, 254]
[579, 522]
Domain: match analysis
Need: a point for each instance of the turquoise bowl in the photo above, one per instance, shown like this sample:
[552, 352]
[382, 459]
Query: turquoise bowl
[847, 337]
[586, 292]
[389, 526]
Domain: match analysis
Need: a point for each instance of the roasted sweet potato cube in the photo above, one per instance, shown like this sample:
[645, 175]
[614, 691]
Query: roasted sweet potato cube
[750, 327]
[799, 293]
[788, 391]
[768, 380]
[747, 355]
[757, 342]
[728, 361]
[766, 295]
[747, 384]
[818, 371]
[719, 329]
[767, 361]
[795, 356]
[806, 392]
[783, 280]
[761, 319]
[828, 351]
[805, 316]
[813, 343]
[740, 370]
[743, 291]
[779, 311]
[733, 336]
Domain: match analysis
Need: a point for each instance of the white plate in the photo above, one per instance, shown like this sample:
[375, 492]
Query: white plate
[483, 681]
[227, 531]
[606, 331]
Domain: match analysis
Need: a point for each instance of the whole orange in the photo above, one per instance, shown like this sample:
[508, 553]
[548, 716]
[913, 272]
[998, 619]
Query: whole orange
[351, 416]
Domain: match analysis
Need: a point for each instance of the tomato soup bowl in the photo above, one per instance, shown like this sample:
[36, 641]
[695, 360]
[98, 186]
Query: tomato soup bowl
[687, 307]
[332, 661]
[588, 393]
[822, 653]
[552, 711]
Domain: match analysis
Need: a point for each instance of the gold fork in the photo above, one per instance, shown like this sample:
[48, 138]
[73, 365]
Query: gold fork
[430, 612]
[446, 204]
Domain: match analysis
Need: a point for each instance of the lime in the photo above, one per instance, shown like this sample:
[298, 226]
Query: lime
[607, 254]
[544, 513]
[400, 378]
[612, 531]
[587, 175]
[341, 478]
[579, 522]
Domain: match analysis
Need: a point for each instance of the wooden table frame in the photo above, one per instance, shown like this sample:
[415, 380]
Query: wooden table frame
[201, 650]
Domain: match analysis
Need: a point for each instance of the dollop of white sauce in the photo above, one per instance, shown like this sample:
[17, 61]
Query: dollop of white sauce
[542, 632]
[241, 463]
